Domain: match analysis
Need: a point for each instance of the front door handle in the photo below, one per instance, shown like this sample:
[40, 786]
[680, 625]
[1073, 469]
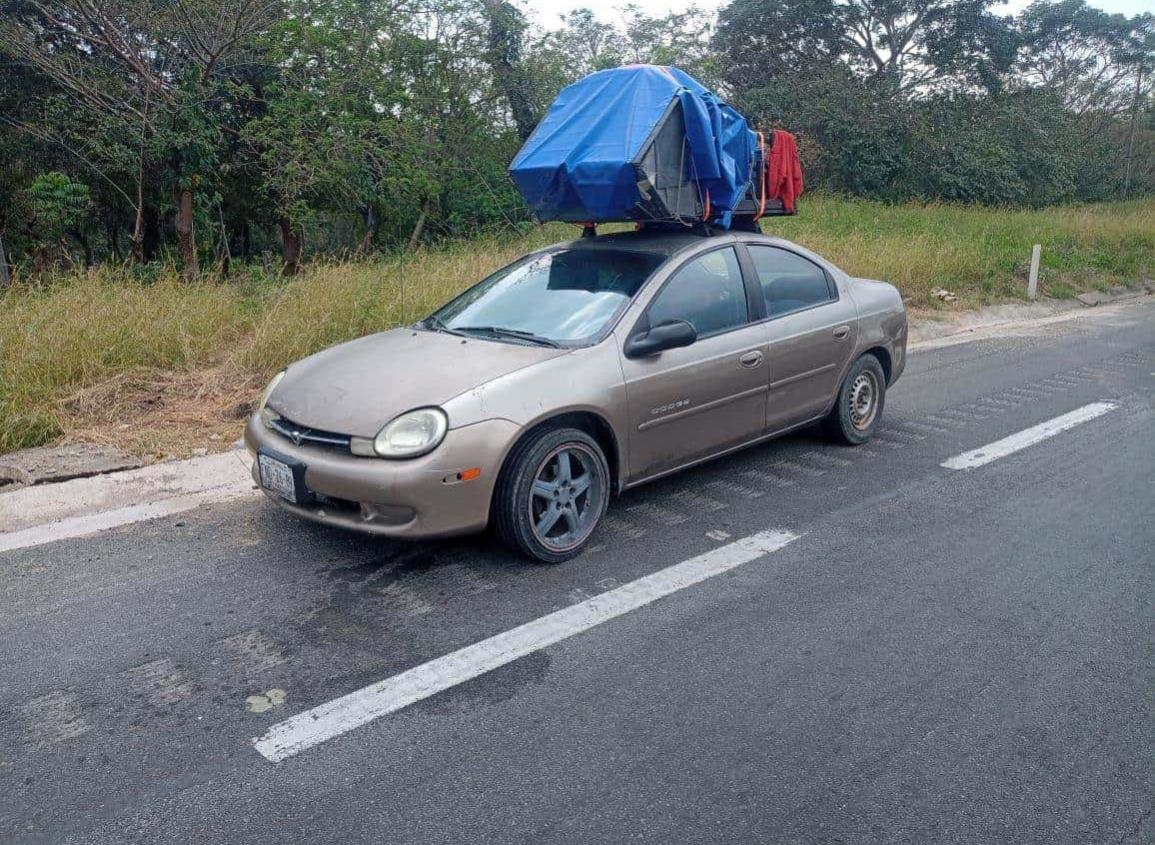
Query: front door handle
[841, 332]
[751, 359]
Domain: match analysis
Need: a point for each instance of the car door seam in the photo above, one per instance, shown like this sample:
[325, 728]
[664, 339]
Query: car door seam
[800, 376]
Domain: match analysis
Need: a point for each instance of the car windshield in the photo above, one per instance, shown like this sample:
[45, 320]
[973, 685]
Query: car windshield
[553, 298]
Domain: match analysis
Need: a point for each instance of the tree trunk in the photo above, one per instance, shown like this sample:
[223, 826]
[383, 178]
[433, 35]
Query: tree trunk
[113, 234]
[372, 223]
[4, 277]
[506, 28]
[151, 240]
[136, 242]
[64, 260]
[415, 238]
[183, 224]
[290, 247]
[1134, 122]
[86, 246]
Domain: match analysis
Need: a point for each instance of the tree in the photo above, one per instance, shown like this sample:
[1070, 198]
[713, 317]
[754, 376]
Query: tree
[1095, 62]
[506, 31]
[912, 43]
[58, 206]
[677, 38]
[156, 69]
[584, 44]
[216, 130]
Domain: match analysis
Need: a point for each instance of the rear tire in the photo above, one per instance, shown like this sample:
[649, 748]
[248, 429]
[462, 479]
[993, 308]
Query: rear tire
[858, 410]
[552, 492]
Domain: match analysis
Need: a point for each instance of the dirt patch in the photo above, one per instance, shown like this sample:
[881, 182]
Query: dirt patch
[157, 414]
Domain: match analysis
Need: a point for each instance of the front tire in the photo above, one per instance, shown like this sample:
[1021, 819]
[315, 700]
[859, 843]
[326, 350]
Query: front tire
[858, 410]
[551, 494]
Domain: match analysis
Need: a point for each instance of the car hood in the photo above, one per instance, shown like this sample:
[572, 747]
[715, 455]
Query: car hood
[356, 387]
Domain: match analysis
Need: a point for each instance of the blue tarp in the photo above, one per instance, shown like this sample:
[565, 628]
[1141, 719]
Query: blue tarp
[579, 160]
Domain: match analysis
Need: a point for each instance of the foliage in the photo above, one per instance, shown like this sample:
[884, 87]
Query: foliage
[912, 44]
[58, 204]
[221, 132]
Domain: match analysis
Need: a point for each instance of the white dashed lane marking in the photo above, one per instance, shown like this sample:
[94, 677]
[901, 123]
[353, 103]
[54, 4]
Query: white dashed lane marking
[1028, 437]
[337, 717]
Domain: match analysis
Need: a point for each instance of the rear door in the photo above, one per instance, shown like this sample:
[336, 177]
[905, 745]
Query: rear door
[692, 402]
[811, 331]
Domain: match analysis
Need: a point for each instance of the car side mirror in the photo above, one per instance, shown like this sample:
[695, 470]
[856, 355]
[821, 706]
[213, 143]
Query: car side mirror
[671, 334]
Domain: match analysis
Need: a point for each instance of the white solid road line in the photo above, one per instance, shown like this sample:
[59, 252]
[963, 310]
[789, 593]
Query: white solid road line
[343, 714]
[1028, 437]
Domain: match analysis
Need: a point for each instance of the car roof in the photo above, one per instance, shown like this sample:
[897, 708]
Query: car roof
[660, 243]
[664, 242]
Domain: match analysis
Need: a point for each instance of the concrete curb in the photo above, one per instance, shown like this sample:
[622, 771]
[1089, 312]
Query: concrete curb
[47, 512]
[1116, 294]
[996, 320]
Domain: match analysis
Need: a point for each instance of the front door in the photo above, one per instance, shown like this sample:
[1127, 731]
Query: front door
[693, 402]
[811, 331]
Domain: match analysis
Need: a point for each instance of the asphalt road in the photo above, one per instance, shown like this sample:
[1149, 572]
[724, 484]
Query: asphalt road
[942, 656]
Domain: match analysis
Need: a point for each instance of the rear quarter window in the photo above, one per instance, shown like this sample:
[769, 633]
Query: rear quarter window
[788, 281]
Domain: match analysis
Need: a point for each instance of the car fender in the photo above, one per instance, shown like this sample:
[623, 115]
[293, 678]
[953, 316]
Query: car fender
[586, 380]
[881, 321]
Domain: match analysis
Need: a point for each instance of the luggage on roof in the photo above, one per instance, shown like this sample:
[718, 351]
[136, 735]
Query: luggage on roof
[642, 143]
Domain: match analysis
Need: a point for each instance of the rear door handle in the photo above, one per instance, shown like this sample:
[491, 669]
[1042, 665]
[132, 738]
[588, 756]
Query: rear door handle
[751, 359]
[841, 332]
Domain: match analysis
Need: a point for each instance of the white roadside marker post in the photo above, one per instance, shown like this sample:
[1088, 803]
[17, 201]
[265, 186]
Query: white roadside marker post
[1033, 278]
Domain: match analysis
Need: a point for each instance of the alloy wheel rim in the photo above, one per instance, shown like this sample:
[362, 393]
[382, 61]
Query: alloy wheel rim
[566, 497]
[863, 400]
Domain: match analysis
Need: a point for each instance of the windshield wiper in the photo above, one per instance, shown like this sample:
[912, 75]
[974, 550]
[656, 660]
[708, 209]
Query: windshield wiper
[438, 325]
[515, 334]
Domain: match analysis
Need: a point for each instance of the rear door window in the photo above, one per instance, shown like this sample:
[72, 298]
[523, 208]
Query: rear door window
[789, 282]
[707, 293]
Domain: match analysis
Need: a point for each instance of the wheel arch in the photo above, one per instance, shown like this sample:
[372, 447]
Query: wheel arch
[592, 423]
[884, 359]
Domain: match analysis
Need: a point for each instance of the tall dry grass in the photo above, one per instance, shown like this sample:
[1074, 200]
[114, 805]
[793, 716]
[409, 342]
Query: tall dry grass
[979, 253]
[62, 335]
[105, 355]
[331, 302]
[80, 351]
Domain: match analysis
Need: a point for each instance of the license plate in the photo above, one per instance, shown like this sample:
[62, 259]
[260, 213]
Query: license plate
[277, 476]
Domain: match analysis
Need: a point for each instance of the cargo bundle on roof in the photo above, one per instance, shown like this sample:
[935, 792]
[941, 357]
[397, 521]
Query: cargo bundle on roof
[647, 144]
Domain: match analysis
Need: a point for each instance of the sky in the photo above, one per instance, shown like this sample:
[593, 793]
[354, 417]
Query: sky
[547, 11]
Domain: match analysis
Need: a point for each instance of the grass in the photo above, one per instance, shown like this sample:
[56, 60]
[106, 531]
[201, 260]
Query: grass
[981, 254]
[162, 367]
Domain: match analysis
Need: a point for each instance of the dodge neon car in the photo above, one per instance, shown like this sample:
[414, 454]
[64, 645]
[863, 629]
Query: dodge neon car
[577, 372]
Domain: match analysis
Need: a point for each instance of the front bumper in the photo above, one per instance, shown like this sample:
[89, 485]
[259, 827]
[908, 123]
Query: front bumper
[416, 498]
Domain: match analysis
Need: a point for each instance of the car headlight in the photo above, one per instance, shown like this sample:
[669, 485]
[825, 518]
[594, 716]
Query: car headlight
[267, 415]
[410, 435]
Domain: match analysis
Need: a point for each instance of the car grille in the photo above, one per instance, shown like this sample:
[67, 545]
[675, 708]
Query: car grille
[303, 435]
